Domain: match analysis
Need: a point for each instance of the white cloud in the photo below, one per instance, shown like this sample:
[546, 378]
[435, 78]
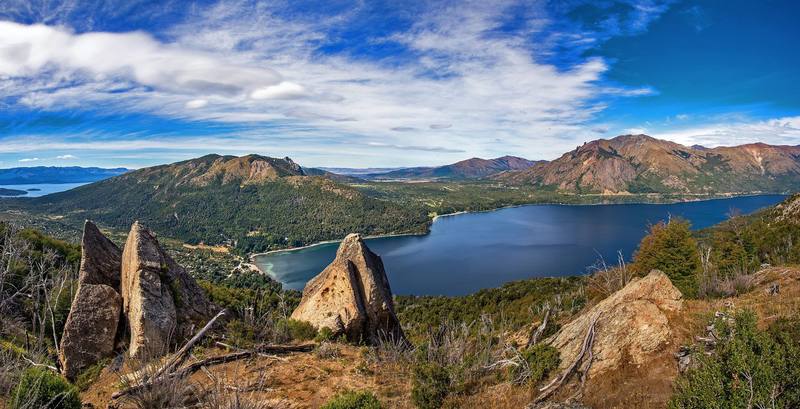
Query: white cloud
[729, 132]
[284, 90]
[26, 50]
[66, 157]
[28, 159]
[462, 90]
[197, 103]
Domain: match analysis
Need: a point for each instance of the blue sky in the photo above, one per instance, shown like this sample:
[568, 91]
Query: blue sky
[372, 83]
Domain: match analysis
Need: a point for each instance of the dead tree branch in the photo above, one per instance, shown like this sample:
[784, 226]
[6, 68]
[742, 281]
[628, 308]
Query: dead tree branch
[559, 381]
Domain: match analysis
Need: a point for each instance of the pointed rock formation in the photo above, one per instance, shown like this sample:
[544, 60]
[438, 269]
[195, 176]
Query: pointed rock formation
[351, 296]
[160, 300]
[632, 324]
[91, 326]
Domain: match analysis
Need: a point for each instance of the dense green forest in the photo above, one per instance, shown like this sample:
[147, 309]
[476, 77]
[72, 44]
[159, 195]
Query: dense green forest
[251, 217]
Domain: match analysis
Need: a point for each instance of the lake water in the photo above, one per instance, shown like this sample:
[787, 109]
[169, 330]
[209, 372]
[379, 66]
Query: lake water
[43, 188]
[464, 253]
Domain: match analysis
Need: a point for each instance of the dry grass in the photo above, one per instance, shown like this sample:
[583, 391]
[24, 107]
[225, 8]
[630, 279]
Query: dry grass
[308, 380]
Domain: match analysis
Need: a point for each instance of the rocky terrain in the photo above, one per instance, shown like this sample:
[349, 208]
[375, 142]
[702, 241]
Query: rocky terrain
[643, 164]
[138, 294]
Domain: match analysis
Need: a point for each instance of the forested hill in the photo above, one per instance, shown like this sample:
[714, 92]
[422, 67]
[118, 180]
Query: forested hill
[251, 201]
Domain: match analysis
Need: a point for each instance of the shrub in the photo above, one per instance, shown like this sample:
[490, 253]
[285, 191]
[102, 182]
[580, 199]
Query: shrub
[431, 385]
[328, 350]
[41, 388]
[353, 400]
[537, 363]
[325, 334]
[669, 247]
[240, 334]
[750, 368]
[300, 330]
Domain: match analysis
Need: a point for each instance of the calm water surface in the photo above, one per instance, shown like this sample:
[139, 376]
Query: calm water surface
[467, 252]
[41, 189]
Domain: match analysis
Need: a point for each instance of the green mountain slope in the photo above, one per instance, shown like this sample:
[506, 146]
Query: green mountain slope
[252, 201]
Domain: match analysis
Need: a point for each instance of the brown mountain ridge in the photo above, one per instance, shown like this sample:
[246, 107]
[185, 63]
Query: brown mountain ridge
[643, 164]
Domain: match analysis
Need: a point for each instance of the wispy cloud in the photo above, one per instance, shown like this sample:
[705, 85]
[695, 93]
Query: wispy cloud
[66, 157]
[463, 84]
[728, 132]
[28, 159]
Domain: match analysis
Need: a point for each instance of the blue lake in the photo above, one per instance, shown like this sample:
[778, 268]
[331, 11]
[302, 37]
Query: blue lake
[41, 189]
[466, 252]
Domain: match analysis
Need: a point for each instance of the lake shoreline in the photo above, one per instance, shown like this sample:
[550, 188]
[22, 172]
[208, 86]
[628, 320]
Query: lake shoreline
[526, 241]
[252, 257]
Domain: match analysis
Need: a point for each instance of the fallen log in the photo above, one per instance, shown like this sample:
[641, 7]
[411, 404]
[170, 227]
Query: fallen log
[182, 353]
[217, 360]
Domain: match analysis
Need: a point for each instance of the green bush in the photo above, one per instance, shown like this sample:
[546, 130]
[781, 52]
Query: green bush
[240, 334]
[750, 368]
[300, 330]
[41, 388]
[325, 334]
[431, 385]
[540, 360]
[670, 247]
[353, 400]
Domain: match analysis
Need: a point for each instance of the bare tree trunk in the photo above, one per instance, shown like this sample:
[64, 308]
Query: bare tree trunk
[536, 334]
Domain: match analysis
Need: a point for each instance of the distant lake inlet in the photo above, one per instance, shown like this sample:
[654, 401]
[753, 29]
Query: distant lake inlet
[41, 189]
[466, 252]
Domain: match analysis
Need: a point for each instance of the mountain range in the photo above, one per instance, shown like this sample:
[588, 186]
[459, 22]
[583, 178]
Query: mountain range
[643, 164]
[53, 174]
[256, 202]
[473, 168]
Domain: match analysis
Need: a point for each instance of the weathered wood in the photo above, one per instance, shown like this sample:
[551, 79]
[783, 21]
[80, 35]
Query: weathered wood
[217, 360]
[559, 381]
[182, 353]
[537, 333]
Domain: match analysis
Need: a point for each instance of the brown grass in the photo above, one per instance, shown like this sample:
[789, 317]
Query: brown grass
[308, 380]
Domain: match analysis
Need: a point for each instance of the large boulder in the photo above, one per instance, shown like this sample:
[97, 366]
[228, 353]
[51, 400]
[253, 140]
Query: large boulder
[161, 302]
[91, 326]
[632, 324]
[351, 296]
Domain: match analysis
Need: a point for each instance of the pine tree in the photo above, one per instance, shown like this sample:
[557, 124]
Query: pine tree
[670, 247]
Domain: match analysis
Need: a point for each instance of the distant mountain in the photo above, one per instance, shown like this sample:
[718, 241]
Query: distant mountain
[358, 171]
[339, 177]
[643, 164]
[466, 169]
[53, 174]
[253, 201]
